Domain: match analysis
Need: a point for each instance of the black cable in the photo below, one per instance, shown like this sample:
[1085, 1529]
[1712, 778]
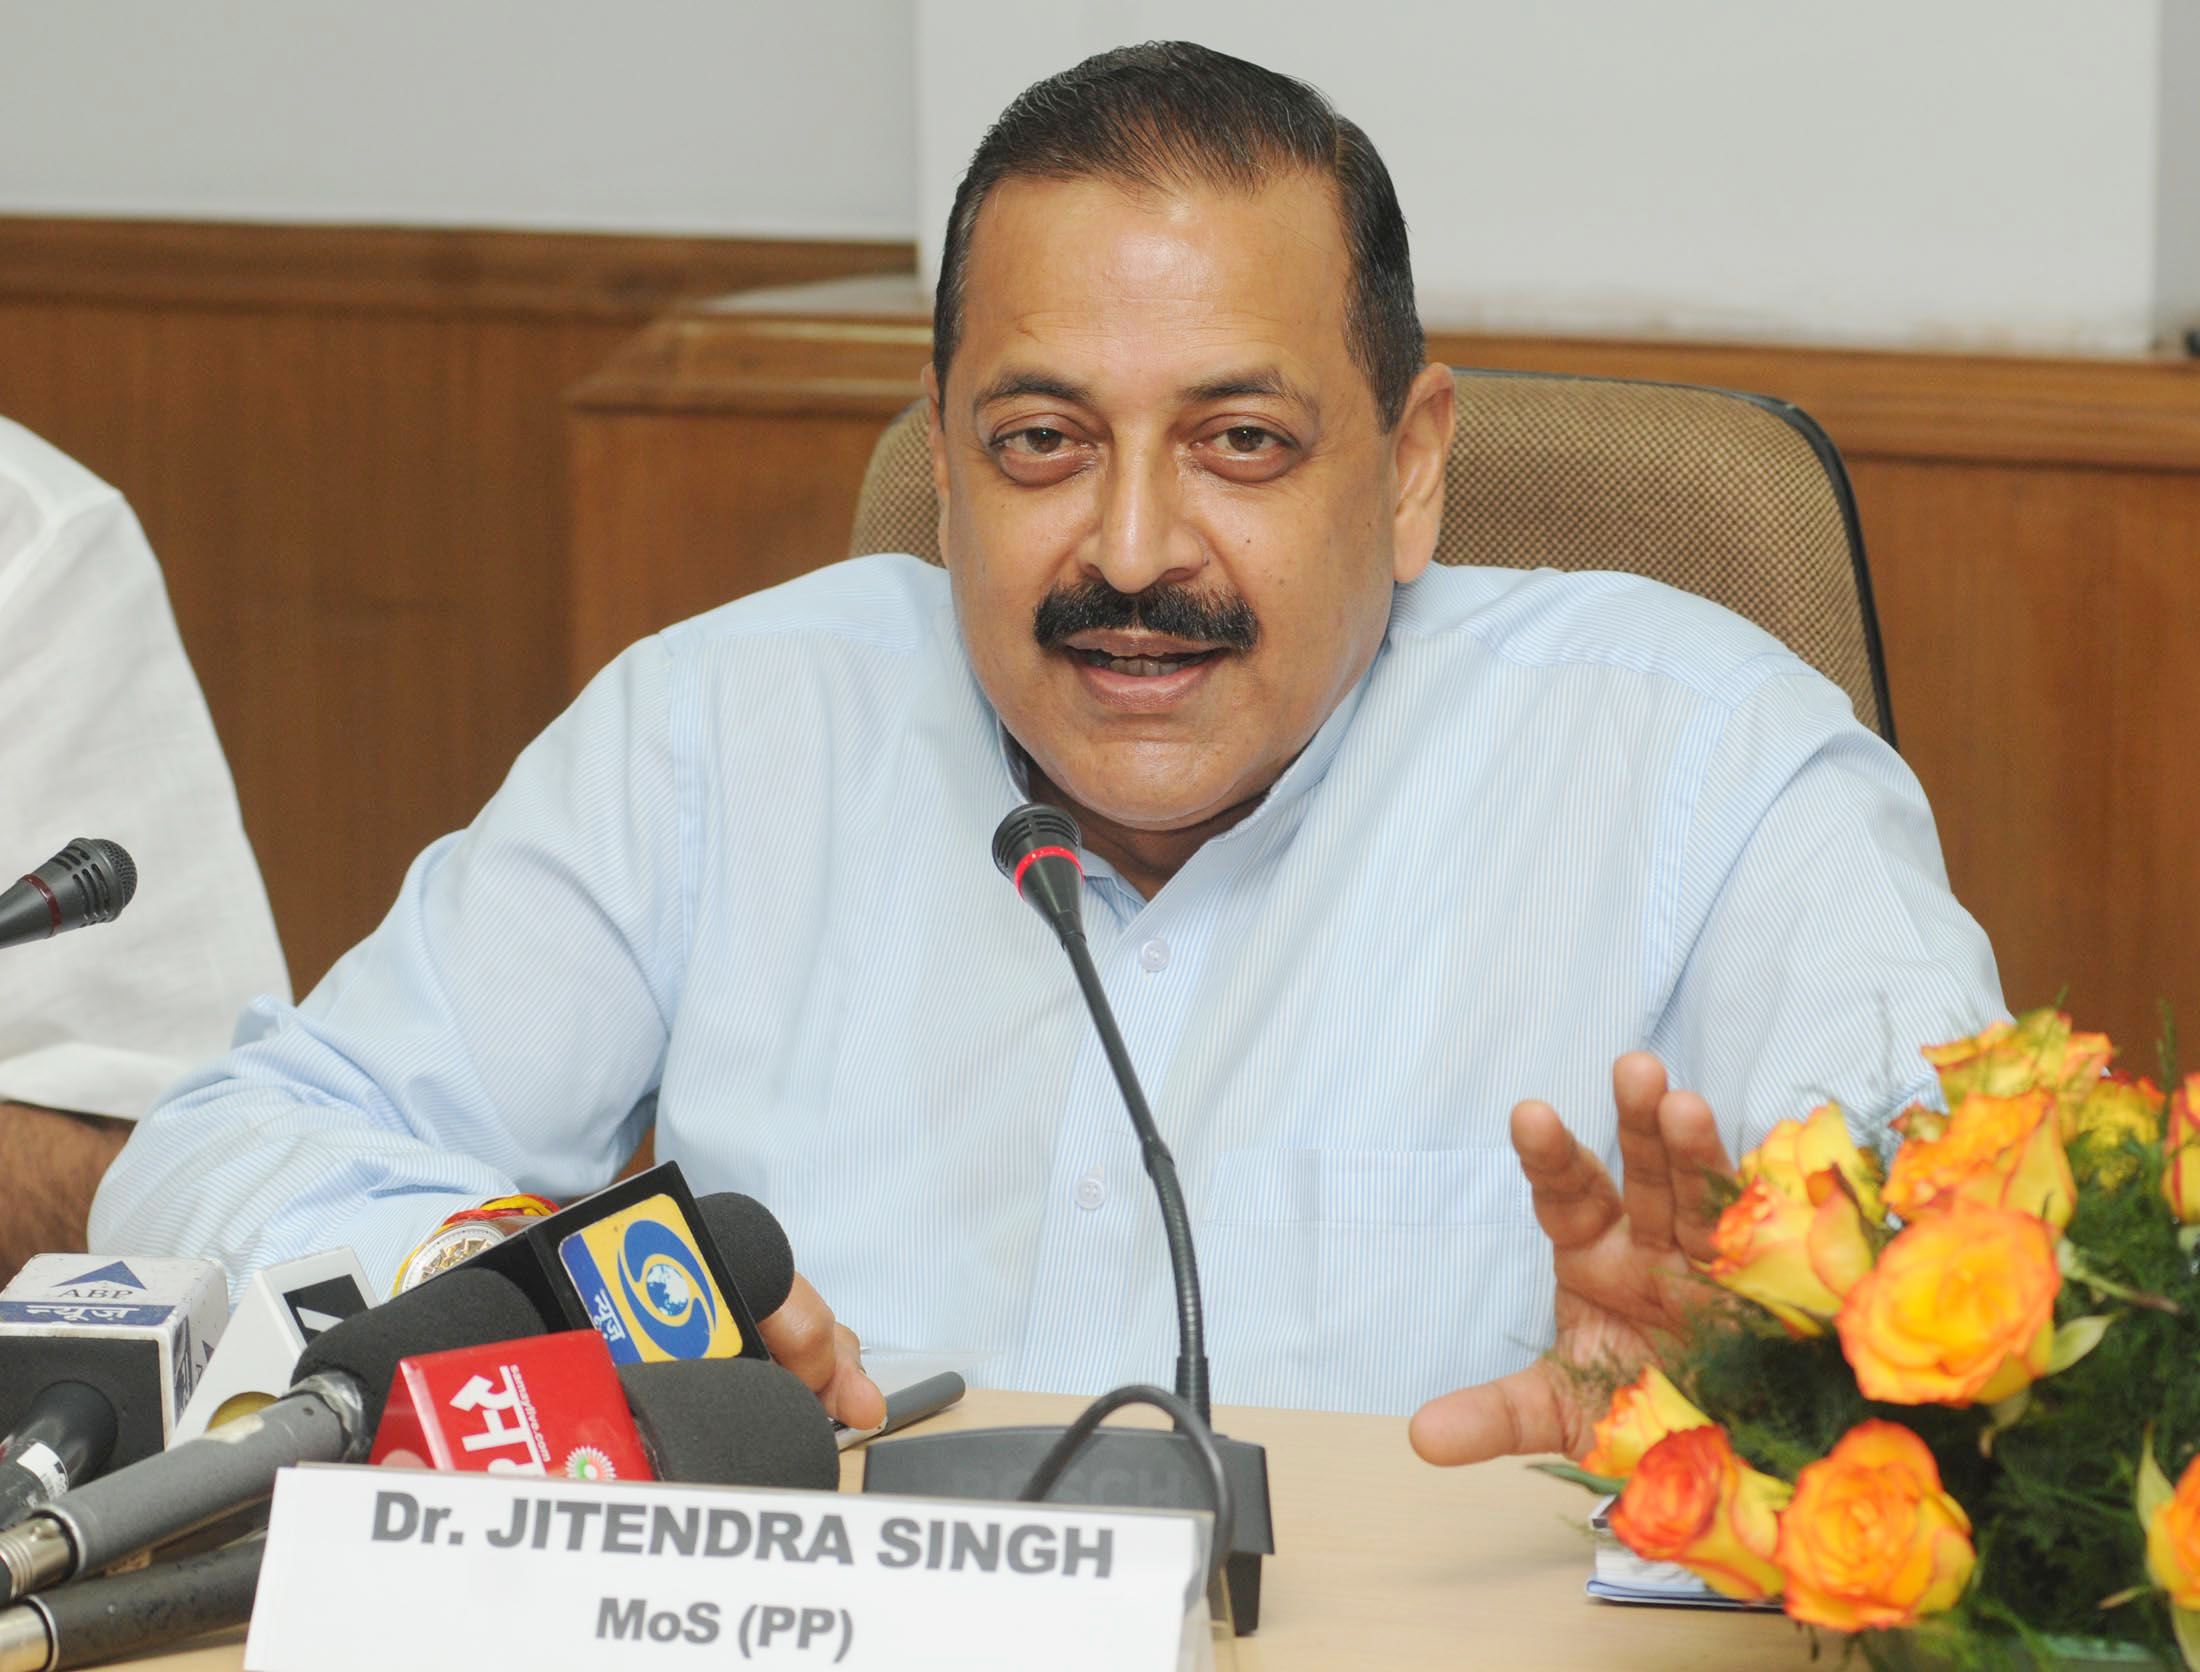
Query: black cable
[1191, 1358]
[1189, 1423]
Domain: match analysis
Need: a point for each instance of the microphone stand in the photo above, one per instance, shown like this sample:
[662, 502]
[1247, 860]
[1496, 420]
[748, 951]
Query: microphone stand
[1192, 1468]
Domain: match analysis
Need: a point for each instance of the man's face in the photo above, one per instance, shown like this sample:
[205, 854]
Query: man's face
[1169, 509]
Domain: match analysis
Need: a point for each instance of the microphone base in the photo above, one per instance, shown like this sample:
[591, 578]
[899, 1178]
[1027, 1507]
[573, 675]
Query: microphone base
[1119, 1468]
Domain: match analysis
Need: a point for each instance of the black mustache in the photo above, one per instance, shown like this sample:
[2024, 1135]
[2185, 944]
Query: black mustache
[1175, 612]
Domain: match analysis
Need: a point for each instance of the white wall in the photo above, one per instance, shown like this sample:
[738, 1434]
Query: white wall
[764, 117]
[1953, 172]
[2177, 189]
[1998, 173]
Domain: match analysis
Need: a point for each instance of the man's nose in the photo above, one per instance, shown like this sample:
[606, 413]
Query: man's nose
[1143, 536]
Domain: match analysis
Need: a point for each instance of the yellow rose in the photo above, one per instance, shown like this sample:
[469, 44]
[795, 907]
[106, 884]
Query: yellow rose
[1692, 1501]
[2173, 1539]
[2036, 1052]
[1794, 1150]
[1641, 1414]
[1960, 1307]
[1796, 1259]
[2181, 1177]
[1996, 1152]
[1870, 1539]
[2118, 1109]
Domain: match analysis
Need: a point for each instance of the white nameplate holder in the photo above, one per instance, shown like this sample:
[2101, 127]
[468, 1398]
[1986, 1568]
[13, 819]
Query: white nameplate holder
[367, 1569]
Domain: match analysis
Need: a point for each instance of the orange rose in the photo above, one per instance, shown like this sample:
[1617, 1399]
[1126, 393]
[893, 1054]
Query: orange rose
[1960, 1307]
[1642, 1413]
[1996, 1152]
[2036, 1052]
[1796, 1149]
[1796, 1259]
[2173, 1530]
[2120, 1107]
[1870, 1539]
[2181, 1177]
[1692, 1501]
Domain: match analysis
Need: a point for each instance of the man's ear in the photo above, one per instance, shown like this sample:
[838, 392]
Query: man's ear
[937, 437]
[1420, 445]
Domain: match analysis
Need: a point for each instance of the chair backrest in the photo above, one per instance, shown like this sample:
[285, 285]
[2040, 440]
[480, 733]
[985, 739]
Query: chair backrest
[1739, 498]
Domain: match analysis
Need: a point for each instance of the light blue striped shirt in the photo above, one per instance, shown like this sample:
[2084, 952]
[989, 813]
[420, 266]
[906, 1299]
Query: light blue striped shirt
[745, 879]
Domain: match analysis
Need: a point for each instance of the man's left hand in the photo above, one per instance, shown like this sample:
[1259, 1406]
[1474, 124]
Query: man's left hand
[1622, 1260]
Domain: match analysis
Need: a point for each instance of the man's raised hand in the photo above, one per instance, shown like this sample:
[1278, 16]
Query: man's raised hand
[1621, 1255]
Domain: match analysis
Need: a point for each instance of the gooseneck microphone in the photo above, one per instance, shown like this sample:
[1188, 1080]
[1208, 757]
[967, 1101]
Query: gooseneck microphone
[1193, 1468]
[1036, 849]
[89, 881]
[338, 1390]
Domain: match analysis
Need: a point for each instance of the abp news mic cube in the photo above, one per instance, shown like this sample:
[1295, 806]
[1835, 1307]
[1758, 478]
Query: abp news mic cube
[633, 1263]
[139, 1329]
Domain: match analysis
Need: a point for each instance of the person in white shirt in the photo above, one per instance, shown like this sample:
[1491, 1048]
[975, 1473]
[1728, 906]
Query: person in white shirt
[104, 732]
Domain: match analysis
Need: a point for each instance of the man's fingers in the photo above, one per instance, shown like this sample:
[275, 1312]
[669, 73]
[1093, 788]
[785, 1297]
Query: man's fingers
[1697, 1157]
[804, 1337]
[1646, 1174]
[1517, 1415]
[1575, 1202]
[853, 1398]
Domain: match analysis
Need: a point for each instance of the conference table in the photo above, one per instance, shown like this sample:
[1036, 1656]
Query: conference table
[1383, 1561]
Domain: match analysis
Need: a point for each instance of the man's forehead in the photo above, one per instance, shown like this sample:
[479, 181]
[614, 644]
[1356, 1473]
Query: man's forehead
[1213, 291]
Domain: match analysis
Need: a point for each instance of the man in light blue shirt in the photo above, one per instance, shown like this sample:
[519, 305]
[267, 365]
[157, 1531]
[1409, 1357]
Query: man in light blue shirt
[1386, 865]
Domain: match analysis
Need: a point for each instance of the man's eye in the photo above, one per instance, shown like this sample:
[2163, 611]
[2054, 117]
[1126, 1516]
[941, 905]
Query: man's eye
[1246, 438]
[1037, 441]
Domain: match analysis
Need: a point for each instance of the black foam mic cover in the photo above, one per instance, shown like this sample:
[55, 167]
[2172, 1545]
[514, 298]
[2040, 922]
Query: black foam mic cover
[731, 1422]
[753, 1245]
[461, 1308]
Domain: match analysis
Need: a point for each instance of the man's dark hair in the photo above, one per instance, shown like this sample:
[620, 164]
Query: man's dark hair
[1170, 113]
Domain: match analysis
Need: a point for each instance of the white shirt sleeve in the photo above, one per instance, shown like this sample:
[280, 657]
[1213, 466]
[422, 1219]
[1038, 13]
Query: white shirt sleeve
[104, 732]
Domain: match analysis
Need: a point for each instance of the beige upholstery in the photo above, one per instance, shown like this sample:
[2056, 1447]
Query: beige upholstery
[1736, 497]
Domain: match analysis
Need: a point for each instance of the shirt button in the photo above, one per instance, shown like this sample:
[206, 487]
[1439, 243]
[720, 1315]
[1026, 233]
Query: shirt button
[1091, 1191]
[1153, 957]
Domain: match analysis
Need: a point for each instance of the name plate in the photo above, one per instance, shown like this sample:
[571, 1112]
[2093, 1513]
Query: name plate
[373, 1568]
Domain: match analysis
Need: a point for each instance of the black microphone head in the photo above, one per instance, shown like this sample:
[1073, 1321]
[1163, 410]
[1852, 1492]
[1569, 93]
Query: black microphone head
[1036, 849]
[1028, 828]
[108, 873]
[461, 1308]
[731, 1422]
[753, 1245]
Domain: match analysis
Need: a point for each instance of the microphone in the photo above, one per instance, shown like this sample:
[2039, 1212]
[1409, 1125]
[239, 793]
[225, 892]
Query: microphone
[1192, 1468]
[89, 881]
[732, 1422]
[97, 1358]
[284, 1308]
[131, 1613]
[1036, 849]
[329, 1416]
[556, 1405]
[542, 1405]
[638, 1263]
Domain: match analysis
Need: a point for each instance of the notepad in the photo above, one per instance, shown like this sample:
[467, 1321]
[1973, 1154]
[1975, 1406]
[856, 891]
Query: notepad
[1619, 1575]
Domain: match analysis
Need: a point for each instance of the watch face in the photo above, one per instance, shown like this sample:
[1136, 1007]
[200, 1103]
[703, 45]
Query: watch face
[444, 1250]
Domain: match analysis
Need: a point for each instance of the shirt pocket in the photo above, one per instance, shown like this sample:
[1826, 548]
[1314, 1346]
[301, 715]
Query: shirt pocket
[1369, 1279]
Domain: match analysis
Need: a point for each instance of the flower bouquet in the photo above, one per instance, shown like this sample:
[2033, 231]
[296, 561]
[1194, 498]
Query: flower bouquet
[1939, 1405]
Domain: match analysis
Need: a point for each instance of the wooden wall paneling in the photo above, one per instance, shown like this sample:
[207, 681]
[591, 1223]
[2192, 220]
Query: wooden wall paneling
[348, 449]
[2033, 527]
